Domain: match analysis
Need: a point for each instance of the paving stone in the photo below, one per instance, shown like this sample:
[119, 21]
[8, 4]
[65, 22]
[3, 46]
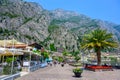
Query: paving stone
[65, 73]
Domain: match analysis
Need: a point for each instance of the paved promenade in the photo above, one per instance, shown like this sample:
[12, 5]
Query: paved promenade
[65, 73]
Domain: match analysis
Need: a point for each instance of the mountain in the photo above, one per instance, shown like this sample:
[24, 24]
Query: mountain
[23, 21]
[80, 24]
[117, 28]
[28, 22]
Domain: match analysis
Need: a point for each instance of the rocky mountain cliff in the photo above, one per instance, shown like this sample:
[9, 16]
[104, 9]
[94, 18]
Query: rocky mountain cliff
[80, 24]
[23, 21]
[29, 22]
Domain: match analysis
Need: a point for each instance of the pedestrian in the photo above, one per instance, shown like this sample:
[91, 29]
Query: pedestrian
[62, 64]
[55, 63]
[50, 63]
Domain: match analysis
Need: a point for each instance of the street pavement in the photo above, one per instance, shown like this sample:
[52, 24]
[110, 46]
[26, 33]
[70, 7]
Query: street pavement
[65, 73]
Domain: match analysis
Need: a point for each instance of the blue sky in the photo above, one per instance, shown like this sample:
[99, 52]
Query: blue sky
[108, 10]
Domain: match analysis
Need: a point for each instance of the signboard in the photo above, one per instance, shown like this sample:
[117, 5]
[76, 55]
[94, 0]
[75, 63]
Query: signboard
[26, 63]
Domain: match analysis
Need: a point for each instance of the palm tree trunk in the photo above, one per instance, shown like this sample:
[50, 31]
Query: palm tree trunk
[98, 57]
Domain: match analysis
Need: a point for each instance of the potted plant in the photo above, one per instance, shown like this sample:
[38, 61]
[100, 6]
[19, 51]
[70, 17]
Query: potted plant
[77, 72]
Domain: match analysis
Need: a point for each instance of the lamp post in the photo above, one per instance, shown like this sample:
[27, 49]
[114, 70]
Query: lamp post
[82, 57]
[13, 52]
[12, 64]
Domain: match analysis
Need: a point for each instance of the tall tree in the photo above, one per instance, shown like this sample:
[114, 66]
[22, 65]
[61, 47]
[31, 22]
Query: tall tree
[98, 40]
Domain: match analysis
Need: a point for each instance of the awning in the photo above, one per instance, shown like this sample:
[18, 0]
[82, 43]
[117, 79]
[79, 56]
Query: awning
[12, 43]
[10, 52]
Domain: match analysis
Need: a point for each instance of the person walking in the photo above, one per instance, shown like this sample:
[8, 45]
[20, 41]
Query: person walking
[55, 62]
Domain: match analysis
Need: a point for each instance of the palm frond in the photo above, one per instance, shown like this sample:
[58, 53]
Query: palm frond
[98, 38]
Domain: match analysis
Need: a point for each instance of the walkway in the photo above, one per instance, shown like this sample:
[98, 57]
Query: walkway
[65, 73]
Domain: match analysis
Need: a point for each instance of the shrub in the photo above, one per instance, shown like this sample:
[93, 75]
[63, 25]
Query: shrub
[77, 70]
[7, 70]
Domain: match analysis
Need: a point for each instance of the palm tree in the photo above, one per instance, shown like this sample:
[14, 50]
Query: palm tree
[98, 40]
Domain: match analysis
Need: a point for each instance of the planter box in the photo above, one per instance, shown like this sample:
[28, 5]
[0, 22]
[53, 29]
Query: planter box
[99, 68]
[77, 74]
